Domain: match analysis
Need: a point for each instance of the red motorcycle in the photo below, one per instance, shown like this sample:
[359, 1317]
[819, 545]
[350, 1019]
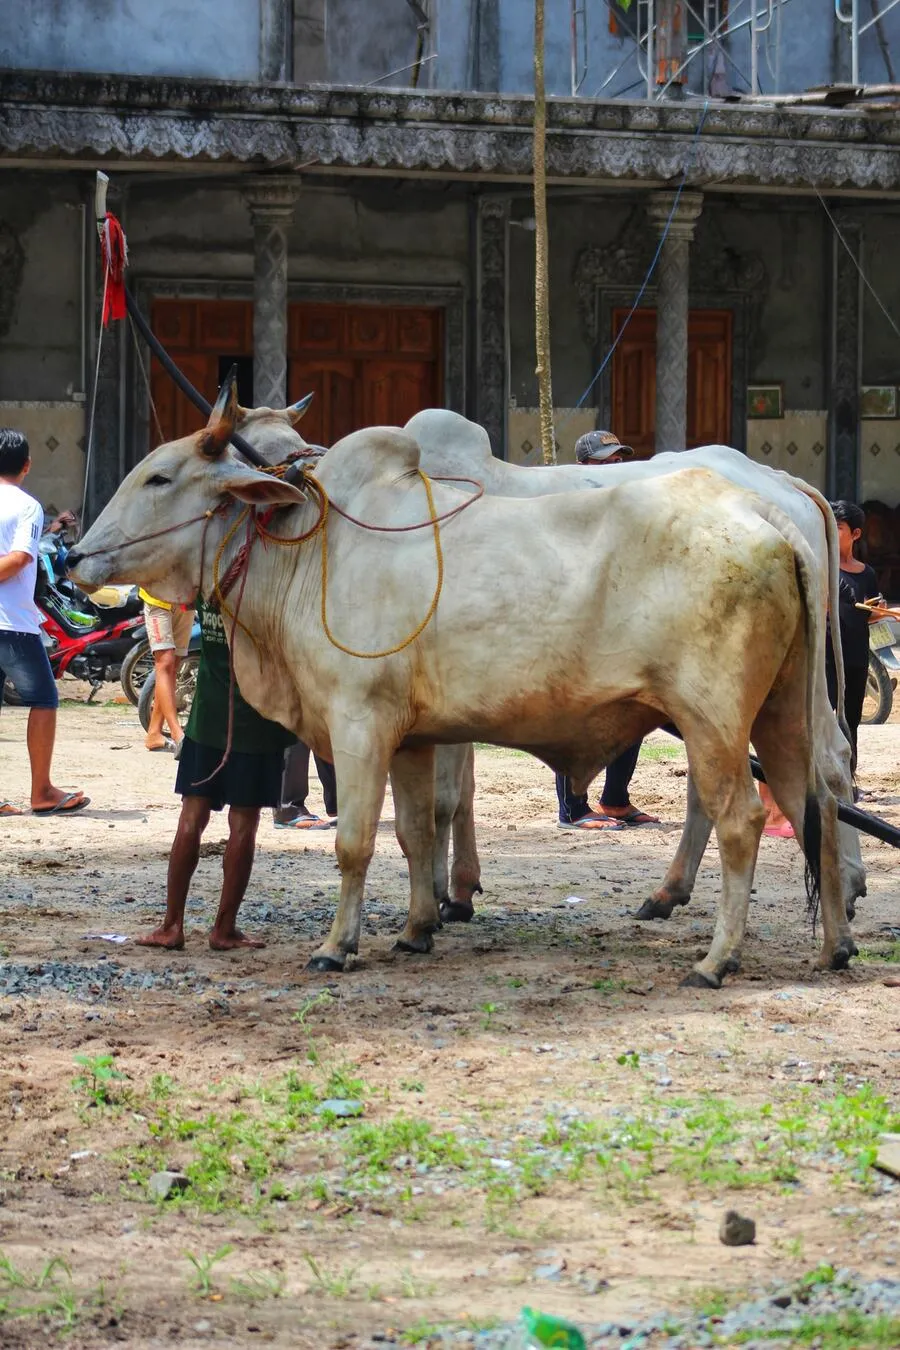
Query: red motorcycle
[81, 640]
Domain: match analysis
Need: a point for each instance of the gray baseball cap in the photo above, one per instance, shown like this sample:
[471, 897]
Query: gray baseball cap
[596, 446]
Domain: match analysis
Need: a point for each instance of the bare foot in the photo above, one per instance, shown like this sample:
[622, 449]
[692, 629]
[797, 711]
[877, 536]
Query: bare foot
[228, 942]
[171, 938]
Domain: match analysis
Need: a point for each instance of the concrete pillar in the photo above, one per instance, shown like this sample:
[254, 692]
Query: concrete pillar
[845, 361]
[672, 301]
[271, 205]
[492, 320]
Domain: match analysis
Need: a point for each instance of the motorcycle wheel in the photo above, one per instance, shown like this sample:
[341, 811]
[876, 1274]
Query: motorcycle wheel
[185, 684]
[11, 695]
[136, 668]
[879, 698]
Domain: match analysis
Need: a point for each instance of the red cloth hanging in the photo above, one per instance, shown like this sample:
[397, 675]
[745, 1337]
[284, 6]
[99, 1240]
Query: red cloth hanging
[114, 249]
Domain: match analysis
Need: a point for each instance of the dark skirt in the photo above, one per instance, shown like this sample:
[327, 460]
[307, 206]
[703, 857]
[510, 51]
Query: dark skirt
[243, 780]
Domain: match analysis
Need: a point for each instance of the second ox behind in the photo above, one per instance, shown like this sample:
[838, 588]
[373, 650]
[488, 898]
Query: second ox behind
[528, 647]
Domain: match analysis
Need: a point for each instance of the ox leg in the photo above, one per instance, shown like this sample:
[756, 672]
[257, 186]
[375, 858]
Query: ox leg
[739, 817]
[448, 763]
[412, 779]
[361, 780]
[784, 752]
[678, 883]
[465, 877]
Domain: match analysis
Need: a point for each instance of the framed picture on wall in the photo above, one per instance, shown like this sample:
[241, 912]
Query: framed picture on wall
[878, 400]
[765, 400]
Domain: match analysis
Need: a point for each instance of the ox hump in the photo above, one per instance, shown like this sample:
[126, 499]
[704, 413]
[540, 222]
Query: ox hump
[440, 431]
[375, 454]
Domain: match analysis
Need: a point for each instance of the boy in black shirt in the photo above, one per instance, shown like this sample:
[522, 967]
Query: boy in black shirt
[249, 779]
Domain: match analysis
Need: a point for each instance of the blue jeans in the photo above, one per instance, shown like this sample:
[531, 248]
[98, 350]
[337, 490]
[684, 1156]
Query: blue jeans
[575, 805]
[24, 660]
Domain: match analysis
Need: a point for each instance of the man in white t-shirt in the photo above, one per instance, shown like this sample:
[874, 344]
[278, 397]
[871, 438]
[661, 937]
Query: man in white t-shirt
[23, 658]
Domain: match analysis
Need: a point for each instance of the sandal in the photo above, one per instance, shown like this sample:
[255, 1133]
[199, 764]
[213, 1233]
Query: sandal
[589, 822]
[7, 809]
[632, 815]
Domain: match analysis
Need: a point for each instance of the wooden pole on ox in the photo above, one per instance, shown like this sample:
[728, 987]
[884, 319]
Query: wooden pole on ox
[541, 279]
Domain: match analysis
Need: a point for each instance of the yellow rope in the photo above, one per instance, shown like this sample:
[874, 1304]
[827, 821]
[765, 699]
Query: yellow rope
[321, 528]
[400, 646]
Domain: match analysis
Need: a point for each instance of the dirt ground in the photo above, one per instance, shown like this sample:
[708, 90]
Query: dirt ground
[548, 1119]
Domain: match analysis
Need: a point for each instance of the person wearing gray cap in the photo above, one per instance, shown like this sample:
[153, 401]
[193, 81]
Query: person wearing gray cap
[616, 807]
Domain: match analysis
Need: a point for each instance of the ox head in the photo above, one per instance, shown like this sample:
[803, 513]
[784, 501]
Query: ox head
[272, 431]
[178, 485]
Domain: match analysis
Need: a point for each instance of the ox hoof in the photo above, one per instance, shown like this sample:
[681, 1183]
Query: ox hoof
[457, 911]
[653, 908]
[420, 945]
[698, 980]
[328, 964]
[851, 910]
[840, 957]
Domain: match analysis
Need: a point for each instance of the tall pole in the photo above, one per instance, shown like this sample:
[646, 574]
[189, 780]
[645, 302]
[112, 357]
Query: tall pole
[541, 279]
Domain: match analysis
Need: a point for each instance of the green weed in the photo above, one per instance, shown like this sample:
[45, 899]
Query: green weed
[97, 1080]
[836, 1331]
[338, 1284]
[411, 1085]
[201, 1281]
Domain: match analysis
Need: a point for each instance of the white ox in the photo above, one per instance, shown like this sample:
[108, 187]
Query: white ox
[450, 445]
[529, 647]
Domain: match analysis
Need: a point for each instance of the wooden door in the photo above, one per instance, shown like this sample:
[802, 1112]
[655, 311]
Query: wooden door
[708, 380]
[366, 364]
[201, 336]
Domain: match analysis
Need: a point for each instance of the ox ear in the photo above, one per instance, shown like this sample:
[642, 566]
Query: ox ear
[296, 410]
[222, 420]
[259, 489]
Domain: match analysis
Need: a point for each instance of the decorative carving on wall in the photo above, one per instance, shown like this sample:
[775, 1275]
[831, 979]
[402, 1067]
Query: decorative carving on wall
[491, 389]
[716, 268]
[846, 365]
[12, 263]
[139, 118]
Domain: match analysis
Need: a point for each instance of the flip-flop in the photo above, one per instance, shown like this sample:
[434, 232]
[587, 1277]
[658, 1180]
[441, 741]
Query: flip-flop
[632, 817]
[7, 809]
[309, 823]
[66, 806]
[588, 823]
[785, 831]
[166, 749]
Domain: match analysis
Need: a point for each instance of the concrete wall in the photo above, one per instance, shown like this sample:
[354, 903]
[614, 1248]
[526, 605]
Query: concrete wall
[218, 39]
[375, 233]
[358, 41]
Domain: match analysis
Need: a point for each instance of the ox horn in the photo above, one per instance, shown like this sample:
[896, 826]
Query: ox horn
[296, 410]
[222, 419]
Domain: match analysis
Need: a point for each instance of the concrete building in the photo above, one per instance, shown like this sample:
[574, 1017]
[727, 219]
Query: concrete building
[337, 195]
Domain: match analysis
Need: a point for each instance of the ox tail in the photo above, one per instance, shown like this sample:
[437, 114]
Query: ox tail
[834, 579]
[804, 570]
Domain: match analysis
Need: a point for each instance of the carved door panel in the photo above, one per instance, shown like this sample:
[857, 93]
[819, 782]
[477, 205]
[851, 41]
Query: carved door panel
[708, 381]
[394, 391]
[176, 413]
[634, 383]
[709, 378]
[333, 412]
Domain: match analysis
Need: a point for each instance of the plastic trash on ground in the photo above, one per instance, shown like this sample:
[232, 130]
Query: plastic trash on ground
[537, 1329]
